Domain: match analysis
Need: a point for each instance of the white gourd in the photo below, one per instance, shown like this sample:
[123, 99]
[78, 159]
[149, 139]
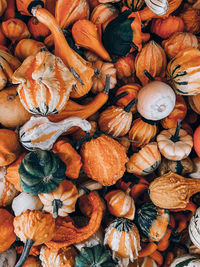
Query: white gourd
[8, 258]
[194, 228]
[186, 261]
[159, 7]
[25, 201]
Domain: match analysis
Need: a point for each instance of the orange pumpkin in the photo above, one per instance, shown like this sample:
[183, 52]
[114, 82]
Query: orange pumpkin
[191, 19]
[179, 41]
[37, 29]
[166, 27]
[142, 132]
[178, 113]
[194, 102]
[125, 66]
[151, 58]
[15, 29]
[103, 160]
[69, 156]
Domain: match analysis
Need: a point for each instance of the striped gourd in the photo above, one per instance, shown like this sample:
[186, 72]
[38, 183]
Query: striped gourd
[194, 228]
[186, 261]
[135, 5]
[184, 72]
[159, 7]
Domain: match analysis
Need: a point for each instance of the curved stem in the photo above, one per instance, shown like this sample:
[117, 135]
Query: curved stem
[130, 104]
[175, 137]
[57, 204]
[87, 191]
[116, 98]
[148, 121]
[27, 247]
[107, 85]
[148, 75]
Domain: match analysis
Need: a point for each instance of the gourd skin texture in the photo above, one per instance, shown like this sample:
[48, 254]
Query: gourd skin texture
[194, 228]
[8, 258]
[185, 261]
[41, 172]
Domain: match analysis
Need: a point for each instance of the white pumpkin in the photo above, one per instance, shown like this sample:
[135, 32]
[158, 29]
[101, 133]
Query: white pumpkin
[25, 201]
[8, 258]
[7, 190]
[186, 261]
[194, 228]
[196, 171]
[156, 100]
[159, 7]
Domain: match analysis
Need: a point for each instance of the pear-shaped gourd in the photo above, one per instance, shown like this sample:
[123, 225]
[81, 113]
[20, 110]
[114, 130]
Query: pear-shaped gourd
[41, 133]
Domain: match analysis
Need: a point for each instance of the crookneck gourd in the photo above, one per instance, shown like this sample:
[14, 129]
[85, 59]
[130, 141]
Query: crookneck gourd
[33, 228]
[41, 171]
[40, 133]
[172, 191]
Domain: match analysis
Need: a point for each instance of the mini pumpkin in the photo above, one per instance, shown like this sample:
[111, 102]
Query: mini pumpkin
[123, 238]
[41, 172]
[142, 132]
[8, 258]
[145, 161]
[135, 5]
[125, 66]
[105, 154]
[151, 58]
[191, 19]
[38, 30]
[39, 73]
[197, 141]
[61, 201]
[61, 258]
[116, 120]
[178, 113]
[156, 100]
[183, 71]
[33, 228]
[194, 102]
[120, 204]
[178, 42]
[102, 69]
[175, 143]
[166, 27]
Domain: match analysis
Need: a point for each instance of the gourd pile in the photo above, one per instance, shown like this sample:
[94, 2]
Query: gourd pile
[100, 133]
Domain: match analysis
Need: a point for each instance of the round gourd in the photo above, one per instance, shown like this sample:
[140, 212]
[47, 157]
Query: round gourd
[152, 222]
[156, 101]
[8, 258]
[186, 261]
[196, 141]
[41, 172]
[194, 102]
[194, 228]
[196, 171]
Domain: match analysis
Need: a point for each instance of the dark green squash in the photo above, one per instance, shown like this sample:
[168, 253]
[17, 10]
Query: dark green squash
[94, 256]
[152, 222]
[41, 172]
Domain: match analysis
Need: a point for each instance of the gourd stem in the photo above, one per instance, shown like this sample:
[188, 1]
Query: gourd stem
[107, 84]
[130, 104]
[116, 98]
[134, 46]
[27, 247]
[148, 121]
[175, 137]
[76, 75]
[87, 191]
[96, 71]
[84, 139]
[148, 75]
[57, 204]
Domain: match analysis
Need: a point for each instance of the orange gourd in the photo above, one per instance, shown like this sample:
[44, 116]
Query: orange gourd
[194, 102]
[191, 19]
[15, 29]
[103, 159]
[125, 66]
[179, 41]
[166, 27]
[151, 58]
[3, 6]
[32, 262]
[38, 30]
[7, 230]
[196, 140]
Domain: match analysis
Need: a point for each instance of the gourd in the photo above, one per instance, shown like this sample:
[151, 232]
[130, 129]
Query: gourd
[60, 201]
[62, 257]
[194, 103]
[116, 120]
[196, 170]
[183, 71]
[178, 42]
[191, 19]
[94, 256]
[125, 66]
[181, 167]
[10, 104]
[32, 262]
[33, 228]
[123, 238]
[193, 228]
[172, 191]
[41, 171]
[15, 29]
[142, 132]
[196, 141]
[10, 147]
[151, 58]
[120, 204]
[185, 260]
[3, 6]
[166, 27]
[158, 7]
[7, 190]
[64, 150]
[152, 222]
[28, 47]
[25, 201]
[66, 233]
[7, 230]
[38, 30]
[50, 84]
[175, 143]
[145, 161]
[135, 5]
[8, 258]
[178, 113]
[156, 100]
[108, 157]
[40, 133]
[102, 70]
